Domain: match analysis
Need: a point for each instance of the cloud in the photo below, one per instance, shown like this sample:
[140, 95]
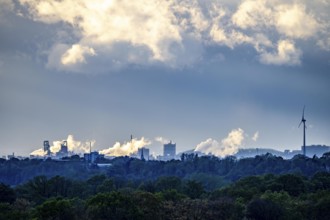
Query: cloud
[286, 53]
[293, 21]
[112, 34]
[252, 14]
[5, 6]
[227, 146]
[255, 136]
[74, 146]
[76, 54]
[324, 44]
[126, 149]
[147, 24]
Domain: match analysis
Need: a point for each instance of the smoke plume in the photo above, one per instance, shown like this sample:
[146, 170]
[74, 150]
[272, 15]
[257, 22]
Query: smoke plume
[125, 149]
[73, 146]
[227, 146]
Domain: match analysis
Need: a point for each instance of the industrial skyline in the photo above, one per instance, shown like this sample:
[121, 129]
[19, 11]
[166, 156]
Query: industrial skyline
[212, 75]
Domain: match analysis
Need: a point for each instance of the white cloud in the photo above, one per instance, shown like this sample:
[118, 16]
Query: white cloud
[293, 21]
[228, 145]
[111, 34]
[104, 23]
[286, 53]
[76, 54]
[252, 14]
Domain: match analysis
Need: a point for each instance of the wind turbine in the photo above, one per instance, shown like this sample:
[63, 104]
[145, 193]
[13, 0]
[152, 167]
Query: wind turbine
[303, 120]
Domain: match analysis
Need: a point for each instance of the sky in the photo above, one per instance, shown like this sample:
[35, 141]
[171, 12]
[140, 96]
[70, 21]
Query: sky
[206, 74]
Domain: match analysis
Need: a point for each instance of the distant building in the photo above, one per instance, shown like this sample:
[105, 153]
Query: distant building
[143, 153]
[252, 152]
[11, 156]
[317, 150]
[169, 151]
[93, 156]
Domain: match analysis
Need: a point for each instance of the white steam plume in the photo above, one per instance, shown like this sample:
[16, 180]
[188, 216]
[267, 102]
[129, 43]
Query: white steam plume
[39, 153]
[125, 149]
[255, 136]
[73, 146]
[161, 140]
[228, 145]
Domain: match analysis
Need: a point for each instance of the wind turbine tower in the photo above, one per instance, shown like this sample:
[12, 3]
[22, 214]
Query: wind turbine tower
[303, 120]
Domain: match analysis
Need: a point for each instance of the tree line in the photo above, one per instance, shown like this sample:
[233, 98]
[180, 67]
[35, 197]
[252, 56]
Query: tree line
[215, 172]
[263, 187]
[269, 196]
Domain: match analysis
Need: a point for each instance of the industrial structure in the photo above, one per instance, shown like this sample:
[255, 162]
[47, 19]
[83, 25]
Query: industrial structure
[316, 150]
[143, 153]
[63, 151]
[47, 148]
[303, 121]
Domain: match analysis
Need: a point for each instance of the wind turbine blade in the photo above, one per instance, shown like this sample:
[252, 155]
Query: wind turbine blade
[299, 124]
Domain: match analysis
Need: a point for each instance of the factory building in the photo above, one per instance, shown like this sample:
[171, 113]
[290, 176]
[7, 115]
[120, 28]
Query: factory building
[63, 151]
[143, 153]
[47, 148]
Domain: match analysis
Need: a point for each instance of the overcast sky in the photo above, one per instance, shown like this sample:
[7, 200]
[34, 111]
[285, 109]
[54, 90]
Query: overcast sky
[180, 70]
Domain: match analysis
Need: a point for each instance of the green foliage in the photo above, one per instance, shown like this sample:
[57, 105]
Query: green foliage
[7, 194]
[55, 208]
[321, 181]
[112, 205]
[210, 182]
[168, 182]
[193, 188]
[321, 208]
[261, 209]
[5, 211]
[293, 184]
[148, 204]
[16, 172]
[171, 195]
[106, 186]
